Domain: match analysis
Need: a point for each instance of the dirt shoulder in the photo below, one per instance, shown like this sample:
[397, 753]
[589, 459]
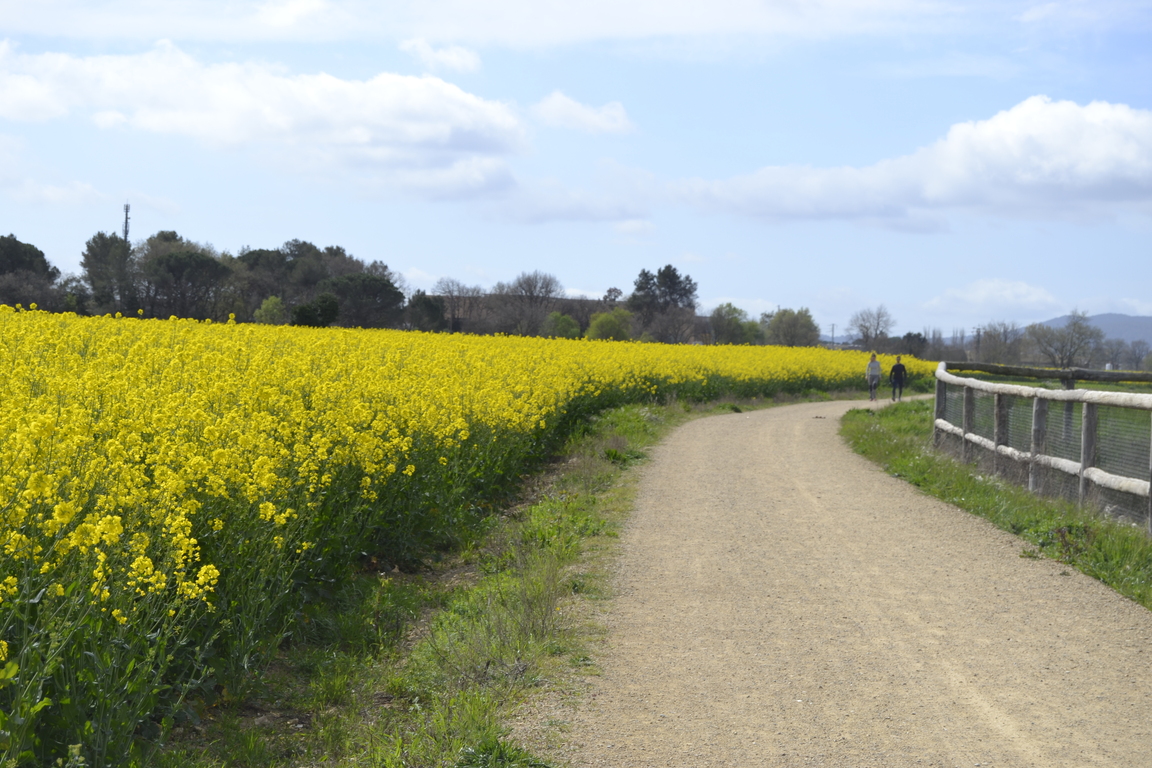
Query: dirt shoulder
[781, 601]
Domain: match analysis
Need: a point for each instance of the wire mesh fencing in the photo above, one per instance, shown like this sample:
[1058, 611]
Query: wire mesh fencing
[1089, 446]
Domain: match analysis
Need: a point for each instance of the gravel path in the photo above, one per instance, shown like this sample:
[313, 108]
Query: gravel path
[783, 602]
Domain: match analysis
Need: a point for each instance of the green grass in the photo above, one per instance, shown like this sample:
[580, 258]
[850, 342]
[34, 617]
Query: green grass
[899, 439]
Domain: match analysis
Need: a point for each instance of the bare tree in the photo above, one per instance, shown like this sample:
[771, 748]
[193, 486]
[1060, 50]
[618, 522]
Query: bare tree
[1001, 342]
[872, 325]
[1069, 346]
[527, 300]
[462, 303]
[1112, 352]
[938, 348]
[1137, 352]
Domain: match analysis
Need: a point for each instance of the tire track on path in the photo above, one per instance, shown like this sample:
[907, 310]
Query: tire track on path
[783, 602]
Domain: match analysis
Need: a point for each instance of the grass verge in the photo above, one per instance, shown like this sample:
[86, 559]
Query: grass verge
[899, 439]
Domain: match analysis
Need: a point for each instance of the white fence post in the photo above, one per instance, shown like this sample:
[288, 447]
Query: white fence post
[1087, 448]
[1039, 441]
[969, 422]
[1001, 429]
[941, 410]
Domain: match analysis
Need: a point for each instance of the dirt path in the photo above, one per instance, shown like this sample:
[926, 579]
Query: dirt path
[783, 602]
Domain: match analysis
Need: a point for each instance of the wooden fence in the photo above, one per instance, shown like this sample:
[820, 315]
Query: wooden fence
[1034, 449]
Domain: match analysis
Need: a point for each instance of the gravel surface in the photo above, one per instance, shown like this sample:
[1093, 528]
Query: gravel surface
[780, 601]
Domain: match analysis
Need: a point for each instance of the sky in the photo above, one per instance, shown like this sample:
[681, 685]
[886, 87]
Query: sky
[956, 162]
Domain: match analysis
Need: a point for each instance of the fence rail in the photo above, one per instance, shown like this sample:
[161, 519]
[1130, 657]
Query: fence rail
[1125, 443]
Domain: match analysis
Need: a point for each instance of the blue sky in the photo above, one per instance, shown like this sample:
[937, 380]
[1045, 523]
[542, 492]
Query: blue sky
[958, 162]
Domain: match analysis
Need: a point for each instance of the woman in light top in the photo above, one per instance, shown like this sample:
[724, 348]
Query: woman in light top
[872, 373]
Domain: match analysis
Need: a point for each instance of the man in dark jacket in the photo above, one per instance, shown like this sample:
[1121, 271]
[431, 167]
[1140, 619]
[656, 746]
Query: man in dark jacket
[896, 377]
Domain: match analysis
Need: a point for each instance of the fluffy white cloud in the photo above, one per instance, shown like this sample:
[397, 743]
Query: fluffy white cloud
[561, 111]
[994, 295]
[414, 131]
[452, 58]
[1039, 157]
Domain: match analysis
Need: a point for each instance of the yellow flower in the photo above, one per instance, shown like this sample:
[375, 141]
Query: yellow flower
[8, 587]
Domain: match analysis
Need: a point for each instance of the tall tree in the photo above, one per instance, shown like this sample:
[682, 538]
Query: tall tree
[527, 300]
[793, 328]
[871, 325]
[1137, 352]
[426, 313]
[16, 256]
[26, 277]
[366, 301]
[1001, 342]
[1069, 346]
[463, 304]
[109, 269]
[184, 284]
[179, 277]
[730, 325]
[665, 304]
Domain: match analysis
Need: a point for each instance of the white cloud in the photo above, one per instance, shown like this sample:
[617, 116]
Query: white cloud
[1037, 158]
[1079, 15]
[452, 58]
[518, 23]
[30, 191]
[17, 185]
[1097, 305]
[1135, 306]
[418, 132]
[560, 111]
[537, 202]
[991, 296]
[289, 13]
[635, 227]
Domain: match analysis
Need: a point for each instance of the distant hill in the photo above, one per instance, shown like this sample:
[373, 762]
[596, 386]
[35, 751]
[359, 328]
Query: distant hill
[1115, 326]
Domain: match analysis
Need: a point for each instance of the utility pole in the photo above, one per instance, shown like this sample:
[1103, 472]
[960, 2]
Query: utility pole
[833, 334]
[126, 209]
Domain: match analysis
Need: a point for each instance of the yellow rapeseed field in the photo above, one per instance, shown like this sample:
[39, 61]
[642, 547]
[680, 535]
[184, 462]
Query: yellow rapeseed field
[165, 486]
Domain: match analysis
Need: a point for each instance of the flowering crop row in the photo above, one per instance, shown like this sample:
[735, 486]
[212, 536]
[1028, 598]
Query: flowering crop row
[171, 491]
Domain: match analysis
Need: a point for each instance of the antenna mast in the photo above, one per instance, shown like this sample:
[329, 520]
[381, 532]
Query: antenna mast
[126, 209]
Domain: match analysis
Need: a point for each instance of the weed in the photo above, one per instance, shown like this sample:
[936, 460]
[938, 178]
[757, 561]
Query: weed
[494, 753]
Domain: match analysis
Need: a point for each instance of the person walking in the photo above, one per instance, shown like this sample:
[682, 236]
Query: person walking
[872, 374]
[896, 379]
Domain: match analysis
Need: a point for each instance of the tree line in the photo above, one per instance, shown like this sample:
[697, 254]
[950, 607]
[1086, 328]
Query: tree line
[1076, 344]
[167, 275]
